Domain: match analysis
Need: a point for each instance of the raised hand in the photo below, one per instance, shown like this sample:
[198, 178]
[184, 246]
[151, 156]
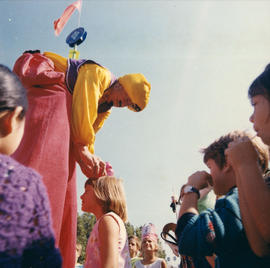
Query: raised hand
[200, 180]
[241, 152]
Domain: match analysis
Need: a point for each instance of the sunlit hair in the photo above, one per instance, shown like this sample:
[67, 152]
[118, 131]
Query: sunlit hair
[111, 195]
[261, 85]
[136, 239]
[216, 150]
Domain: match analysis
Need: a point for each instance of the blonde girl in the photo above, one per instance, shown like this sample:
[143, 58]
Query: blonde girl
[107, 245]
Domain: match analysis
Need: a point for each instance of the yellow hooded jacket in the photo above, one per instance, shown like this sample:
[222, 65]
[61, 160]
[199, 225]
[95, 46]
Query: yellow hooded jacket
[91, 83]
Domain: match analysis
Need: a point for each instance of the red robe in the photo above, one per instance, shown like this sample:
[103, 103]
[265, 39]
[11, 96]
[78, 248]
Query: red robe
[46, 145]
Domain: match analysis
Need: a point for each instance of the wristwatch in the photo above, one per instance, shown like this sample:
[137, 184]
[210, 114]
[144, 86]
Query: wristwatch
[191, 189]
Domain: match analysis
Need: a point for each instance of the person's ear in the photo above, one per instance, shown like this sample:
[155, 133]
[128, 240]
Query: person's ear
[9, 119]
[5, 123]
[16, 116]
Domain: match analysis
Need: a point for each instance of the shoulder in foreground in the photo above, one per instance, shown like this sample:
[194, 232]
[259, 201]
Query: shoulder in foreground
[108, 223]
[9, 167]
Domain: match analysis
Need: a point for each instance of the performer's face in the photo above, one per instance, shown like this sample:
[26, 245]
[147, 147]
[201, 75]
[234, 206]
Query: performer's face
[117, 96]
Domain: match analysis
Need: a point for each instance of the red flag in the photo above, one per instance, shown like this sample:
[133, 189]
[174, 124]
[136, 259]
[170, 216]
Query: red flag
[61, 22]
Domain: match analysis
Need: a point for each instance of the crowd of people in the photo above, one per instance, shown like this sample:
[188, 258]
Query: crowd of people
[50, 111]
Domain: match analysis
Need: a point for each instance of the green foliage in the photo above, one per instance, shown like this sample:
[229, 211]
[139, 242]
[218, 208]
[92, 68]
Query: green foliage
[161, 252]
[131, 230]
[85, 224]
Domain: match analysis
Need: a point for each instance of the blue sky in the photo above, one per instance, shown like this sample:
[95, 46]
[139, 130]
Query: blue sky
[199, 56]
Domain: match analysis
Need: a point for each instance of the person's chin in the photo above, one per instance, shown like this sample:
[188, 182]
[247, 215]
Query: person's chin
[266, 140]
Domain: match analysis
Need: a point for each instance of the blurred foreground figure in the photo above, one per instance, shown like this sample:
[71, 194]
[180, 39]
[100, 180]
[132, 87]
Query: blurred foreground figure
[26, 235]
[254, 188]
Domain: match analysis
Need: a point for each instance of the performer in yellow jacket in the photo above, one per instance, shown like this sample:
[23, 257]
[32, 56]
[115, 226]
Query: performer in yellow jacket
[94, 91]
[69, 101]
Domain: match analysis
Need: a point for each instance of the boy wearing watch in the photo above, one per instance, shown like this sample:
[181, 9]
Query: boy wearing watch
[217, 231]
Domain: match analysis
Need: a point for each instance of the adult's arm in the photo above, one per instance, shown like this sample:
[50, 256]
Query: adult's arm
[108, 230]
[91, 82]
[91, 165]
[254, 195]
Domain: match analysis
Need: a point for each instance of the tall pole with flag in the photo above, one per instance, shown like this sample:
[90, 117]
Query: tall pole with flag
[77, 36]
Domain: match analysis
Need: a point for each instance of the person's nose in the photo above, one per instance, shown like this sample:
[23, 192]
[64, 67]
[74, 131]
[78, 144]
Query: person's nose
[251, 118]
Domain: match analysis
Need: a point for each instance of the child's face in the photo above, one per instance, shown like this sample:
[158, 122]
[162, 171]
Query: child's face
[218, 177]
[149, 245]
[261, 117]
[133, 249]
[89, 200]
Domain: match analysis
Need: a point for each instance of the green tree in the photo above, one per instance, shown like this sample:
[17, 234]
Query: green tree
[85, 224]
[129, 228]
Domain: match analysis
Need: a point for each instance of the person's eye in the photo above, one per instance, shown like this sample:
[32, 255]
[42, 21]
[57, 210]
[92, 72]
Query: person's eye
[253, 103]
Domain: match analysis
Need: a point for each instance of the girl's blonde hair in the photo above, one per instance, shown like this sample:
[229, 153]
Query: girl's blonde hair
[111, 195]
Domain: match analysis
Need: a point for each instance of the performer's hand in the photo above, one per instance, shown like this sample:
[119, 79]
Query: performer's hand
[91, 165]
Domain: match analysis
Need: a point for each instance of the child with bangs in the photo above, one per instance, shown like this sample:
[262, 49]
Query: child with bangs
[108, 244]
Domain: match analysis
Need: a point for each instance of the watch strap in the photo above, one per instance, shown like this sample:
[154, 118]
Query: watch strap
[193, 190]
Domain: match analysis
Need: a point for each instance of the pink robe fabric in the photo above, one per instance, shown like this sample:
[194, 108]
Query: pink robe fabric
[46, 145]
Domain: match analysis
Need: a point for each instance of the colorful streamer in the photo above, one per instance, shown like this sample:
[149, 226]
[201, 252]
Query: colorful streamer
[61, 22]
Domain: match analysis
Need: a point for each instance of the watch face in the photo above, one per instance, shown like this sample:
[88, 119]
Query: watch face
[187, 189]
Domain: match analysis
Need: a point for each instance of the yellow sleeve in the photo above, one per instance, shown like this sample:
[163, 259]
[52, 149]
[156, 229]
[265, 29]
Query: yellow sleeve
[60, 63]
[100, 120]
[91, 82]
